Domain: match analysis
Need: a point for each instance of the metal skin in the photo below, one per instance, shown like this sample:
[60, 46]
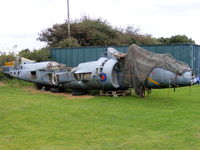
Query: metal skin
[94, 75]
[161, 78]
[38, 73]
[103, 74]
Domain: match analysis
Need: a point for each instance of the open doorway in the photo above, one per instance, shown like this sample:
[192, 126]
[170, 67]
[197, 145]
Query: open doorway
[33, 75]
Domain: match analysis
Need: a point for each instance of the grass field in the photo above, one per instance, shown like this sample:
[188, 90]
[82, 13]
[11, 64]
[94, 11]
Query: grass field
[165, 120]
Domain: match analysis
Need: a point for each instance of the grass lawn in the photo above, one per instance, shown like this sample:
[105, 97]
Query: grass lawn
[40, 121]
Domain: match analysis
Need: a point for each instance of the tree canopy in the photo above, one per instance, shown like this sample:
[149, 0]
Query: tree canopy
[93, 32]
[97, 32]
[37, 55]
[176, 39]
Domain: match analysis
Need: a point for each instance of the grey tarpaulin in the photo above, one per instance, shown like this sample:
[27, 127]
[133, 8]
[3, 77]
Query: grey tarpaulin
[139, 63]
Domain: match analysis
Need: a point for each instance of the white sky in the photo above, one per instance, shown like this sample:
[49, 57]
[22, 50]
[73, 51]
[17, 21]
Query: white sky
[22, 20]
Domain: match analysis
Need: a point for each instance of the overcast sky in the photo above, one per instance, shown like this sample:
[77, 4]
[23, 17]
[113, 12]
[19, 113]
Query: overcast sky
[22, 20]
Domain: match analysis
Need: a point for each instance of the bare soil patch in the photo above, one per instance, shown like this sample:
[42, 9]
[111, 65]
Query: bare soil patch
[2, 84]
[68, 95]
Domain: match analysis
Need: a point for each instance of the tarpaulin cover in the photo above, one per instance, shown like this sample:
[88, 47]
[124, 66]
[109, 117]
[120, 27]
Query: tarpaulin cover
[139, 63]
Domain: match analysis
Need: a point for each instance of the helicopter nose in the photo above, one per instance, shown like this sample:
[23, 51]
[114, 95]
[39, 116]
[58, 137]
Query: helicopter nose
[186, 79]
[161, 78]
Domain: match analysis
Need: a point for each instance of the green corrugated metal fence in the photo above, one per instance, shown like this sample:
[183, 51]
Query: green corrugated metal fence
[76, 55]
[188, 53]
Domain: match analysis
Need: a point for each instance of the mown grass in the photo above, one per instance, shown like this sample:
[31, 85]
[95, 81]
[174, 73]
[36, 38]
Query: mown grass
[35, 121]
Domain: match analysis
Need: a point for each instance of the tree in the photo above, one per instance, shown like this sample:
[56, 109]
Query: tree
[97, 32]
[139, 39]
[37, 55]
[92, 32]
[68, 42]
[176, 39]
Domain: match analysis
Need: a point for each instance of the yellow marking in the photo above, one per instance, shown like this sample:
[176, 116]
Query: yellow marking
[151, 80]
[9, 64]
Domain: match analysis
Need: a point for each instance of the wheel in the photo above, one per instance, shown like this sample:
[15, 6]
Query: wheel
[39, 86]
[47, 88]
[55, 90]
[78, 93]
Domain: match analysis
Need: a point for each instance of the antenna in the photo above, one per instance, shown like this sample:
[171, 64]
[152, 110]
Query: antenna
[68, 19]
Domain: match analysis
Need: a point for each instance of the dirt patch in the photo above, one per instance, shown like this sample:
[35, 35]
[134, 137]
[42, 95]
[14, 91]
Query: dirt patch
[2, 84]
[68, 95]
[79, 97]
